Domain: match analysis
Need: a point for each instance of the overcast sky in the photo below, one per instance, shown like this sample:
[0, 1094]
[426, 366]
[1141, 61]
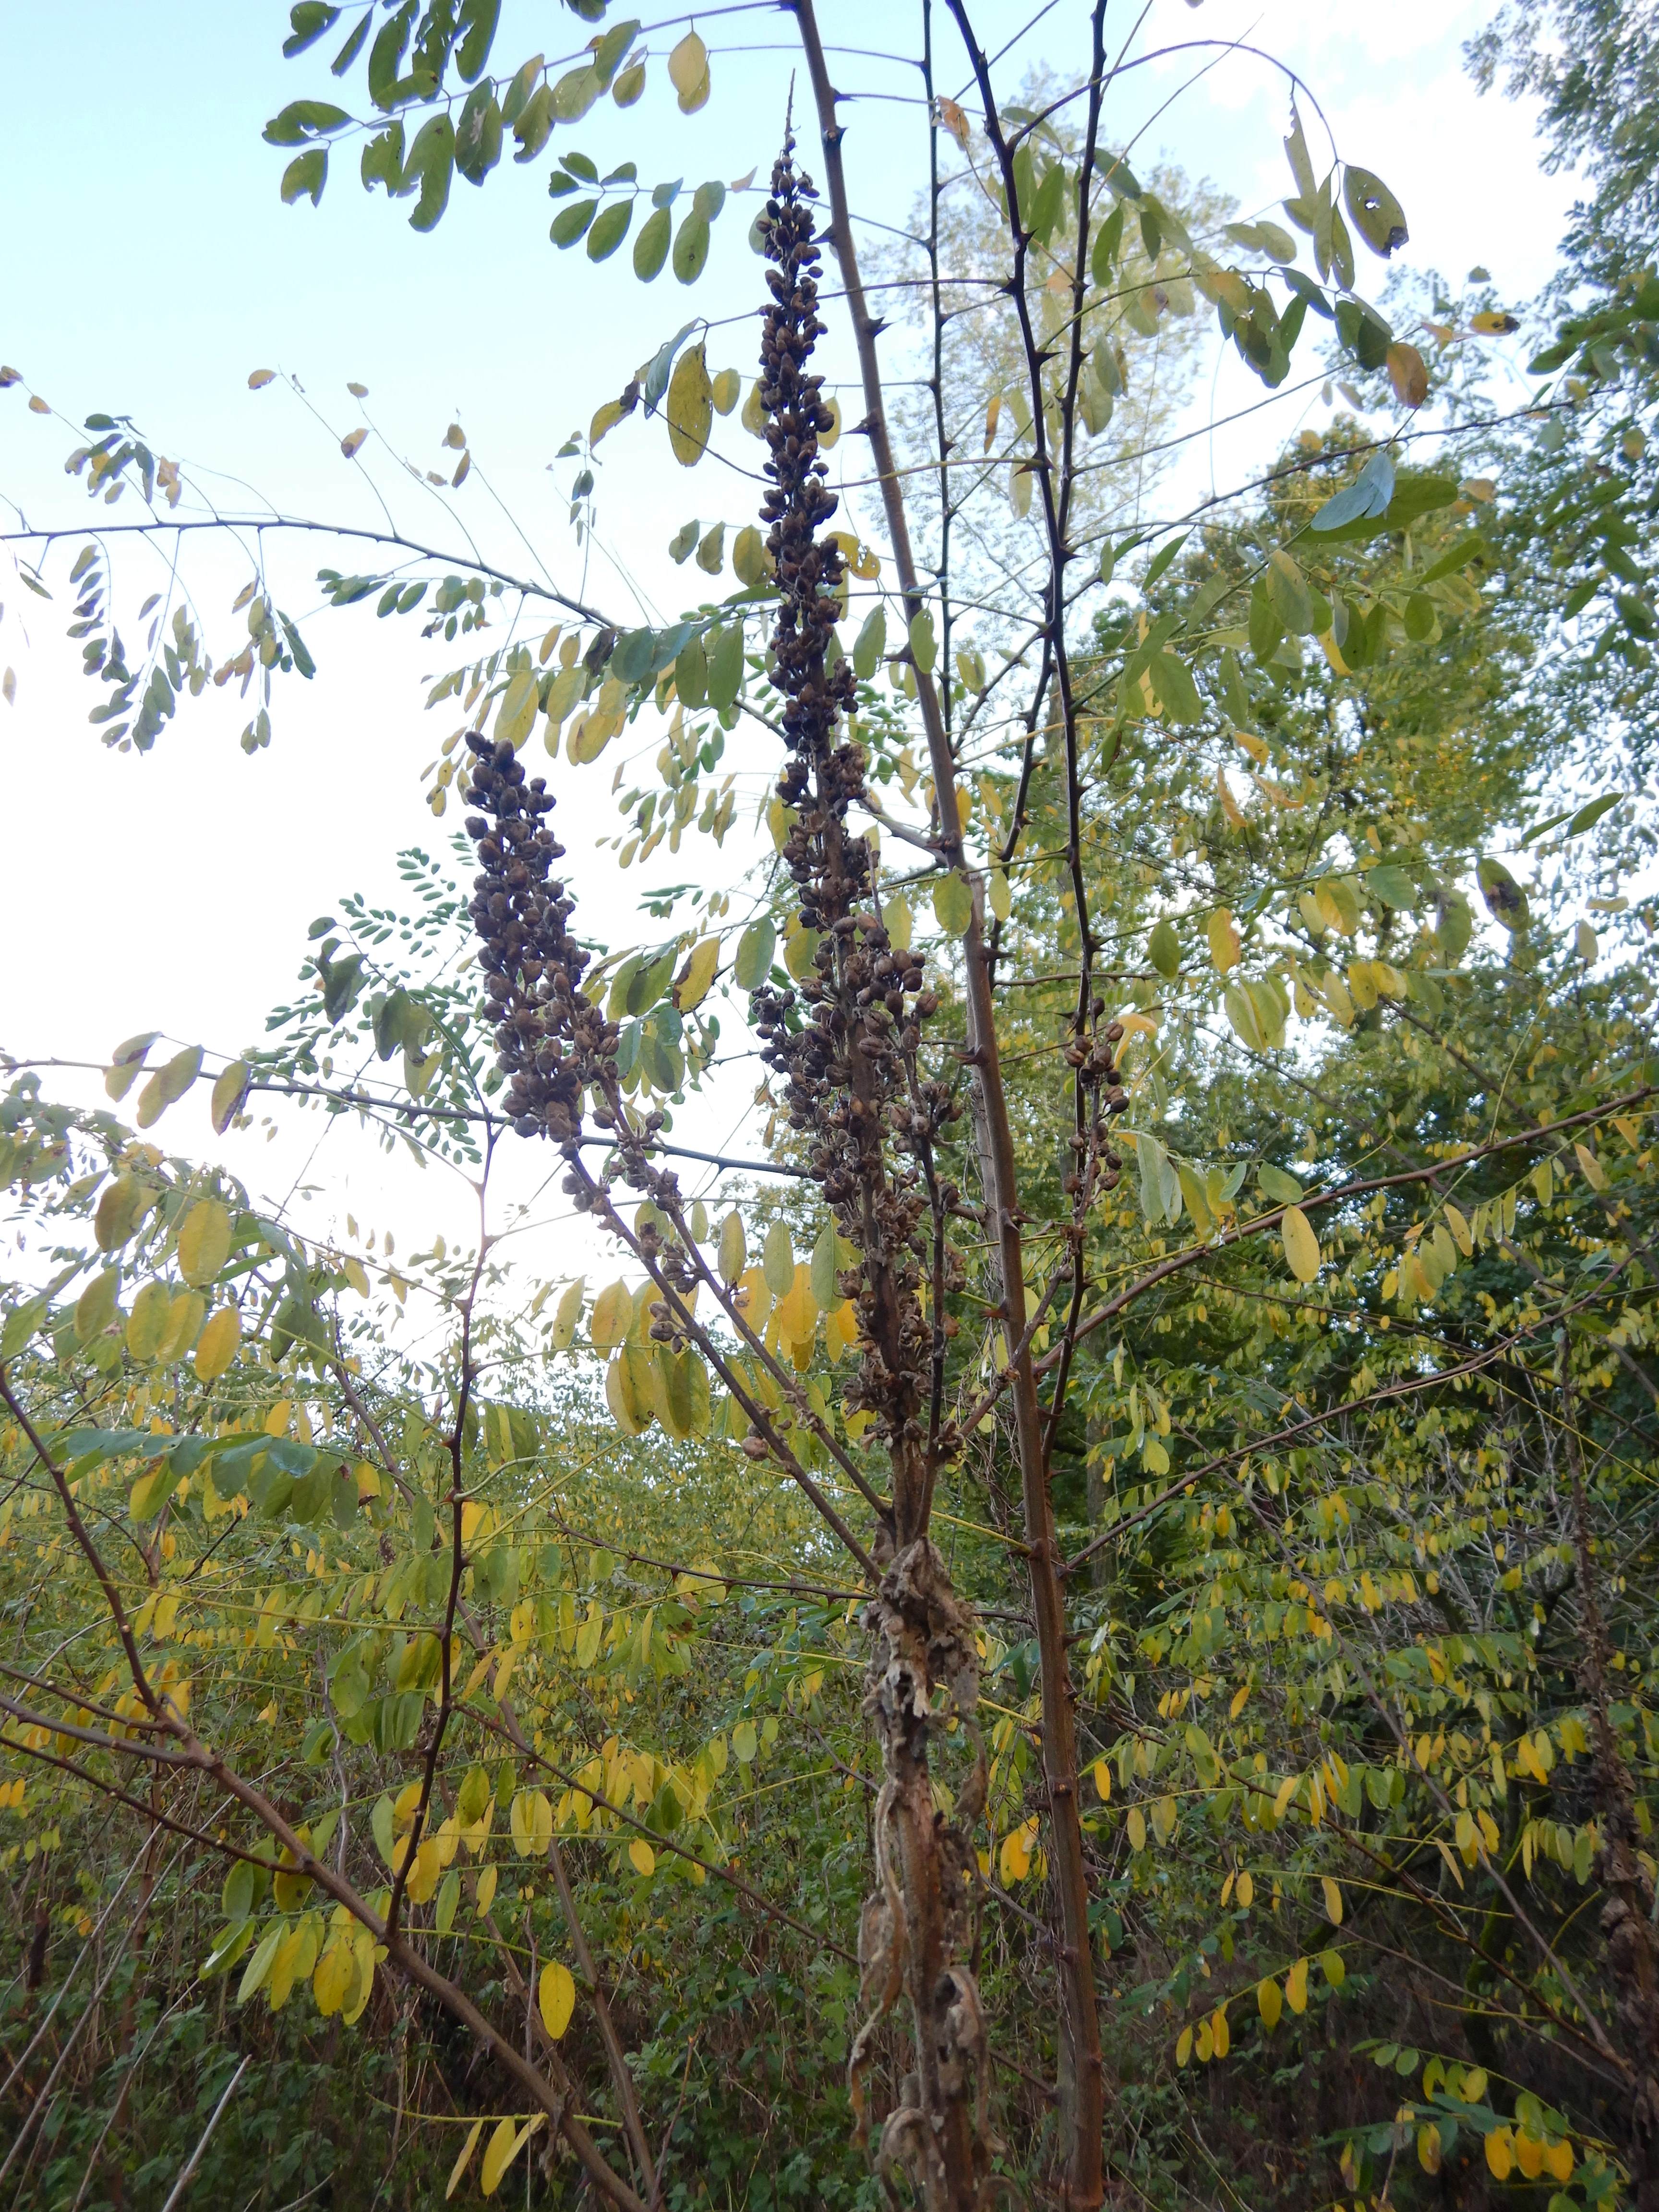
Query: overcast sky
[151, 267]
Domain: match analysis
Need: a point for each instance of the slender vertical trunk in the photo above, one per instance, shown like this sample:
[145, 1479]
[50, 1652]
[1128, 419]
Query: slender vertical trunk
[1082, 2082]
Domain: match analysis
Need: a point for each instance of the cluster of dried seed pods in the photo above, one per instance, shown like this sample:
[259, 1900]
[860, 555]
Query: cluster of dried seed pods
[549, 1036]
[845, 1047]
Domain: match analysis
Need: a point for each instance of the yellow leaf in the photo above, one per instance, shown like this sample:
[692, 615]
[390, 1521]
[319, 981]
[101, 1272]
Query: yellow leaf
[517, 713]
[121, 1206]
[642, 1858]
[1336, 996]
[505, 2144]
[1223, 940]
[463, 2159]
[690, 407]
[217, 1346]
[733, 1248]
[1362, 981]
[630, 1408]
[557, 1997]
[569, 685]
[698, 974]
[612, 1316]
[1014, 1859]
[1333, 1901]
[362, 1978]
[752, 563]
[1183, 2046]
[203, 1242]
[1137, 1826]
[1428, 2149]
[687, 72]
[427, 1870]
[798, 1311]
[841, 1329]
[147, 1324]
[168, 1083]
[1220, 2034]
[673, 1380]
[151, 1492]
[1301, 1245]
[1500, 2153]
[1594, 1173]
[1230, 807]
[1269, 2003]
[530, 1819]
[799, 947]
[486, 1891]
[1103, 1780]
[1559, 2161]
[1295, 1987]
[295, 1957]
[1245, 1891]
[592, 734]
[184, 1317]
[566, 1313]
[332, 1978]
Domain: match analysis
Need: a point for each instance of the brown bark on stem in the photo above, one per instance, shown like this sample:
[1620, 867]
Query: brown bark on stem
[1082, 2077]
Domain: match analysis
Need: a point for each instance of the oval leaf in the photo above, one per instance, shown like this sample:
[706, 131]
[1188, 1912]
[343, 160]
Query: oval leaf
[754, 959]
[953, 905]
[1301, 1245]
[203, 1242]
[556, 1996]
[217, 1346]
[613, 1316]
